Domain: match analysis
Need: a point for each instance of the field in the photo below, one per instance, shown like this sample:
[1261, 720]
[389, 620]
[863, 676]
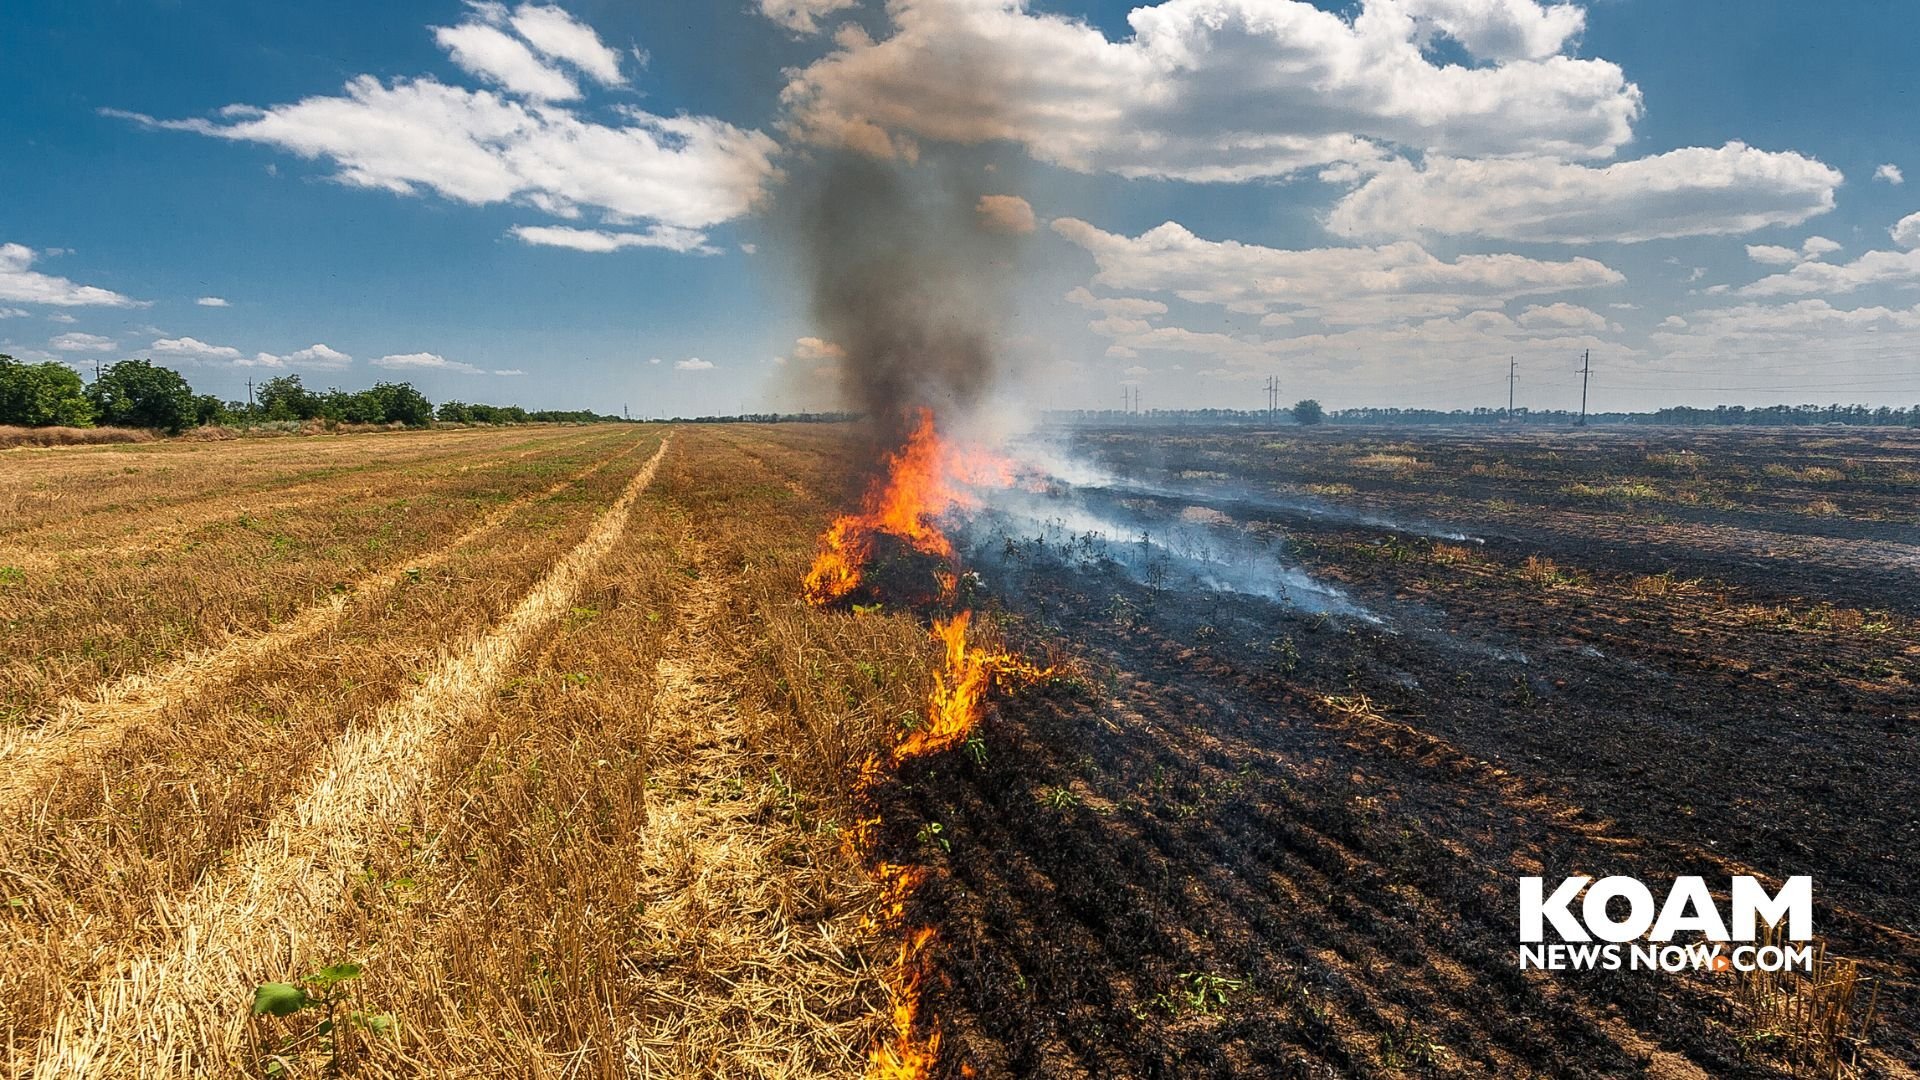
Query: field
[534, 728]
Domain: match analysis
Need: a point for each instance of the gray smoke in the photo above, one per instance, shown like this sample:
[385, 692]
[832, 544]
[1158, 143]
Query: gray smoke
[902, 274]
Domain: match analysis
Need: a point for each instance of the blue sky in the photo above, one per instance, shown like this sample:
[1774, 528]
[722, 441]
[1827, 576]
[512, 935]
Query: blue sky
[1377, 204]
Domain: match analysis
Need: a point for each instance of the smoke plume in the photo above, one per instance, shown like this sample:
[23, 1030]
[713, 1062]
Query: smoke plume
[907, 267]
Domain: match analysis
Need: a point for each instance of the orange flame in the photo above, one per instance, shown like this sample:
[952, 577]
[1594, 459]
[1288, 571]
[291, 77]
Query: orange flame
[924, 480]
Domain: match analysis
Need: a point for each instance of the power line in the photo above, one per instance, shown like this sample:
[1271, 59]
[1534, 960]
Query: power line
[1586, 369]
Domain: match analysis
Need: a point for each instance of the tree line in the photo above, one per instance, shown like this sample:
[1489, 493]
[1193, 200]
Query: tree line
[1310, 412]
[142, 394]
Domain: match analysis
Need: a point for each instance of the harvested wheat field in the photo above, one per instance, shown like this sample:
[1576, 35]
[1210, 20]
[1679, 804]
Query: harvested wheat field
[496, 717]
[714, 750]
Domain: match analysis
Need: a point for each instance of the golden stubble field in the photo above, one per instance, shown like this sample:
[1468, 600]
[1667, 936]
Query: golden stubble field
[527, 724]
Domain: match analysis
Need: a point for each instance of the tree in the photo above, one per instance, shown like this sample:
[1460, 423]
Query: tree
[40, 395]
[284, 398]
[1308, 412]
[400, 403]
[209, 409]
[454, 412]
[136, 393]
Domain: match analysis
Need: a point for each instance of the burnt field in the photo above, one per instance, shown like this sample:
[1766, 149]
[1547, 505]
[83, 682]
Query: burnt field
[1324, 695]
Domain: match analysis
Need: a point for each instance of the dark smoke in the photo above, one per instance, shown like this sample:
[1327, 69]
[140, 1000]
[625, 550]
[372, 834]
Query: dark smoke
[902, 274]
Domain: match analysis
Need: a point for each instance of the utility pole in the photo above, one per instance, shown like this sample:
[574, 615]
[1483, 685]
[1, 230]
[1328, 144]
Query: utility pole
[1136, 401]
[1586, 369]
[249, 395]
[1513, 376]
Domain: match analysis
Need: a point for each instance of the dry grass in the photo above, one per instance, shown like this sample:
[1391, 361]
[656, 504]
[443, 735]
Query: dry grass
[12, 436]
[1399, 463]
[1817, 1021]
[571, 793]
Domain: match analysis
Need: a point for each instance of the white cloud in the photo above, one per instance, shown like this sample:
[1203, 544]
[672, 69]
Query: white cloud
[82, 343]
[320, 357]
[194, 352]
[213, 301]
[1688, 192]
[693, 363]
[1815, 247]
[654, 360]
[1889, 174]
[816, 350]
[562, 37]
[1873, 268]
[19, 313]
[1561, 316]
[603, 240]
[504, 60]
[1774, 344]
[803, 16]
[1128, 306]
[1906, 231]
[512, 371]
[1335, 285]
[1216, 90]
[20, 284]
[423, 361]
[1009, 214]
[1772, 254]
[419, 135]
[1501, 29]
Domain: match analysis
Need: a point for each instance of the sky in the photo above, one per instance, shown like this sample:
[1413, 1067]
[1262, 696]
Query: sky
[579, 206]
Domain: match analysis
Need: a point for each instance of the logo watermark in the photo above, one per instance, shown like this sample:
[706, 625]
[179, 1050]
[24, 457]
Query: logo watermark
[1554, 938]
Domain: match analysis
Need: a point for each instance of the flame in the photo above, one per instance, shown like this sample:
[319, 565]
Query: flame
[924, 479]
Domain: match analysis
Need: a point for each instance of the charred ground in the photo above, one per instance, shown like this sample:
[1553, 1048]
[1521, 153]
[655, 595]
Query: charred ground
[1246, 840]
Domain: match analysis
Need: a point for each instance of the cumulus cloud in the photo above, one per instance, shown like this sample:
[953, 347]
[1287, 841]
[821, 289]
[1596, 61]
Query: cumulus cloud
[1772, 254]
[504, 60]
[1889, 174]
[1813, 247]
[1906, 231]
[1500, 29]
[1008, 214]
[1335, 285]
[82, 343]
[1216, 90]
[1782, 335]
[1134, 307]
[560, 36]
[668, 237]
[1811, 276]
[1688, 192]
[692, 363]
[318, 356]
[213, 301]
[479, 147]
[1561, 316]
[20, 284]
[16, 313]
[803, 16]
[196, 353]
[423, 361]
[817, 350]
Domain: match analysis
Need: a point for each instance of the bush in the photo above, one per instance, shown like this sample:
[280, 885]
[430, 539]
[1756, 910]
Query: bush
[42, 395]
[135, 393]
[1308, 412]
